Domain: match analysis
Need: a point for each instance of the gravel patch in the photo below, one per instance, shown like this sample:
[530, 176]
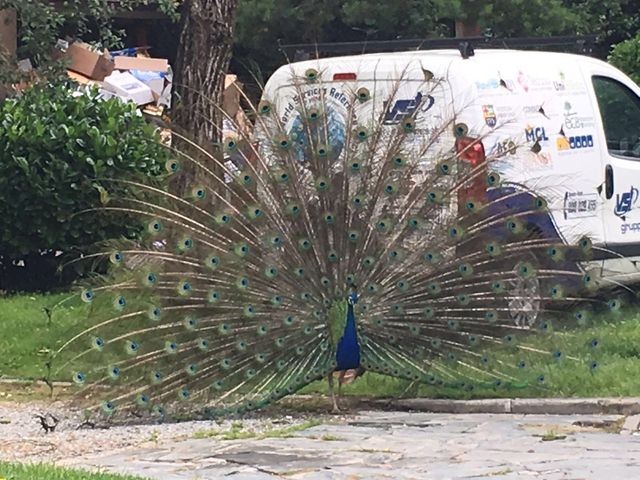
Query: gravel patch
[22, 437]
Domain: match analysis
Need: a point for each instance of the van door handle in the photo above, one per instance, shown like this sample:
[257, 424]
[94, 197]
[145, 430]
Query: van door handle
[608, 182]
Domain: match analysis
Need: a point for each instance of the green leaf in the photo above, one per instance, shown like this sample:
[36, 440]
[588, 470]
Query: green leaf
[22, 162]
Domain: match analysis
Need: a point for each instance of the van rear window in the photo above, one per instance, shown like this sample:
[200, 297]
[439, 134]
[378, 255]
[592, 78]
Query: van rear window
[620, 112]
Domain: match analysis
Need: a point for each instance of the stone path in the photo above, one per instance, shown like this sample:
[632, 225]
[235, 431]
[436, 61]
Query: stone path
[398, 445]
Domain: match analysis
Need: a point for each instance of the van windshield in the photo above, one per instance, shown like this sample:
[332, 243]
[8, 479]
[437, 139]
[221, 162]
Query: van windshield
[620, 112]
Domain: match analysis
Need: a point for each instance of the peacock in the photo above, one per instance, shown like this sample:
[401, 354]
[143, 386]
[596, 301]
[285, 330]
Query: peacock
[349, 232]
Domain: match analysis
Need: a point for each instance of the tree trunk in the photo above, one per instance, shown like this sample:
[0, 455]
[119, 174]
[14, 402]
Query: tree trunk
[468, 25]
[468, 28]
[8, 33]
[204, 54]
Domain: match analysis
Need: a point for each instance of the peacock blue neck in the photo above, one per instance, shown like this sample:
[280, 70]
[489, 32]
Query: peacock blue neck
[348, 349]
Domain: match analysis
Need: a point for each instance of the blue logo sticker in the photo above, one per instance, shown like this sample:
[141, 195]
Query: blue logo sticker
[534, 134]
[626, 201]
[404, 108]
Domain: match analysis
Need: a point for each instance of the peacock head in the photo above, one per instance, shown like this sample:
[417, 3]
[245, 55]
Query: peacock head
[353, 295]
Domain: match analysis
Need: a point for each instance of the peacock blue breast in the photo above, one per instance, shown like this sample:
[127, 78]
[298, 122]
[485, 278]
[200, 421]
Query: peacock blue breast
[348, 349]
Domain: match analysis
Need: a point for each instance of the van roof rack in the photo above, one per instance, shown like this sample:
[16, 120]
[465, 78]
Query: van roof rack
[582, 44]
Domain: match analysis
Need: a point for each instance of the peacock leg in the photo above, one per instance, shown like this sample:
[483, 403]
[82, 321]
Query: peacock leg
[341, 380]
[331, 393]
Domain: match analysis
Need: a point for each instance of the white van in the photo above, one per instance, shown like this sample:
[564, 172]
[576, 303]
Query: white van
[566, 126]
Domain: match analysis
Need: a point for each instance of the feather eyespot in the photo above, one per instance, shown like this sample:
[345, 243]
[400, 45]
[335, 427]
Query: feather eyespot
[230, 144]
[363, 94]
[362, 133]
[311, 74]
[264, 107]
[155, 226]
[87, 295]
[132, 347]
[116, 257]
[460, 129]
[108, 407]
[172, 166]
[409, 125]
[313, 114]
[97, 343]
[79, 378]
[154, 313]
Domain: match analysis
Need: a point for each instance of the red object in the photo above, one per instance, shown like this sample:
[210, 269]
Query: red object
[471, 150]
[344, 76]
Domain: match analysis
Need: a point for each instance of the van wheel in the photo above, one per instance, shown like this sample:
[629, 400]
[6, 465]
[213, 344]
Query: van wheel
[525, 303]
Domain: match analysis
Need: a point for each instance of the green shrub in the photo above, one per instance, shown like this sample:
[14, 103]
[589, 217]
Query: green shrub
[56, 147]
[626, 56]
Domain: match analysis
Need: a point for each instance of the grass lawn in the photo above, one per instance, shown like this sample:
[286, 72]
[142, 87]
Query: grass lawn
[18, 471]
[610, 369]
[26, 339]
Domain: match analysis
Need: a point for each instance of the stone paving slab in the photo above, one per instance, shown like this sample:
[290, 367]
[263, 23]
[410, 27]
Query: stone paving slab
[401, 445]
[531, 406]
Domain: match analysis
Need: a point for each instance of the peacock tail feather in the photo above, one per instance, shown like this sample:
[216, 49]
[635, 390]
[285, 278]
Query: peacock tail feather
[237, 293]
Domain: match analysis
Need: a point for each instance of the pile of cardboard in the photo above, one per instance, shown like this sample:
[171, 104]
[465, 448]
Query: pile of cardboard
[140, 79]
[143, 80]
[237, 123]
[132, 75]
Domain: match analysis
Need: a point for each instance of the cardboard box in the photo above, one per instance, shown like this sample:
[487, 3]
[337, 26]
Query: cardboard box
[231, 104]
[154, 72]
[141, 63]
[231, 94]
[128, 88]
[81, 79]
[91, 64]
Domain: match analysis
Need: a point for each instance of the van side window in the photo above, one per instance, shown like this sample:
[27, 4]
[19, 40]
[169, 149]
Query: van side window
[620, 112]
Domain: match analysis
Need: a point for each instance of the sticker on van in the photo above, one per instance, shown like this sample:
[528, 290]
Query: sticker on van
[625, 202]
[503, 147]
[563, 85]
[564, 144]
[626, 227]
[535, 134]
[580, 205]
[531, 84]
[572, 121]
[401, 109]
[489, 115]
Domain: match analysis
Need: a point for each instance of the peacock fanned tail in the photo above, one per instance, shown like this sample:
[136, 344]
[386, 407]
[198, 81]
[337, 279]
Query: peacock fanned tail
[237, 294]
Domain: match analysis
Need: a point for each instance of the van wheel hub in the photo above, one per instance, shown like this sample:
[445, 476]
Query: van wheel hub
[524, 302]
